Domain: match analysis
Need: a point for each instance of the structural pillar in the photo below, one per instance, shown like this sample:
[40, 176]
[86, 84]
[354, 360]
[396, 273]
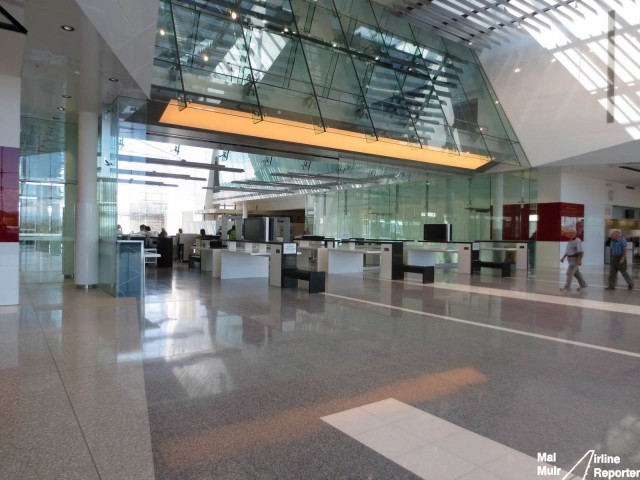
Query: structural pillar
[497, 204]
[86, 270]
[86, 247]
[12, 42]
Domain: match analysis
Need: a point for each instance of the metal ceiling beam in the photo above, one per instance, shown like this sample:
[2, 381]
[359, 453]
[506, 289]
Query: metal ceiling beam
[177, 163]
[143, 182]
[293, 186]
[159, 174]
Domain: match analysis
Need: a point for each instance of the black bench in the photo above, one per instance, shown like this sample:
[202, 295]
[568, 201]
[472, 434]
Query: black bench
[504, 267]
[428, 273]
[193, 259]
[290, 277]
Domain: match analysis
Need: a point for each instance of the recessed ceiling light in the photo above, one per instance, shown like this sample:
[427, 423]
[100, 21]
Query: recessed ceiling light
[66, 96]
[113, 79]
[517, 70]
[206, 58]
[234, 15]
[67, 28]
[62, 109]
[162, 32]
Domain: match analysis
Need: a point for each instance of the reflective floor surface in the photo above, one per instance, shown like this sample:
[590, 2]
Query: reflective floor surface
[472, 377]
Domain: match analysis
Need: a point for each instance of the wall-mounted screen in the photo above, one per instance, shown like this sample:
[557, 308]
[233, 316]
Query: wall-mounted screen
[437, 232]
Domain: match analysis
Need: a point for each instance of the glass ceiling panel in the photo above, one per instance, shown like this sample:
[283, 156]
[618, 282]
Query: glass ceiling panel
[357, 69]
[282, 79]
[336, 77]
[284, 175]
[168, 73]
[318, 22]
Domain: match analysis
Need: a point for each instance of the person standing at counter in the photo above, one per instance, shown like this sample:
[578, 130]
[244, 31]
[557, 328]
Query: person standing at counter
[573, 253]
[180, 243]
[618, 262]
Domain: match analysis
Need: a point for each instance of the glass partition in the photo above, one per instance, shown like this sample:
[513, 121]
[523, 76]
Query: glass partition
[125, 118]
[44, 180]
[473, 205]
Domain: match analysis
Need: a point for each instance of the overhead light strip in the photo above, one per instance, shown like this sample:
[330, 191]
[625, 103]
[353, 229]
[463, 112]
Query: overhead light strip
[177, 163]
[159, 174]
[292, 186]
[242, 189]
[242, 123]
[142, 182]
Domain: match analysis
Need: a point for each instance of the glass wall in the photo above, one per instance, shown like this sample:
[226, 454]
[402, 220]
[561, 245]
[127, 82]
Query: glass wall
[125, 117]
[479, 208]
[43, 184]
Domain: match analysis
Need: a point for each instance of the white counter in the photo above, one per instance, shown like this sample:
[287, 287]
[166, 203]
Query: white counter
[237, 264]
[339, 260]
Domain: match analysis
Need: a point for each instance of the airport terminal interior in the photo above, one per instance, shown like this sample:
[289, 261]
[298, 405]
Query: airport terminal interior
[365, 206]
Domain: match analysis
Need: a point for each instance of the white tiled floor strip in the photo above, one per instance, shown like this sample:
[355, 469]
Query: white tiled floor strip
[492, 327]
[559, 299]
[433, 448]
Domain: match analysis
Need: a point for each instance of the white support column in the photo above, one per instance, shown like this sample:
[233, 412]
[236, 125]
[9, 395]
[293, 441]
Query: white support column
[86, 269]
[11, 51]
[497, 202]
[86, 245]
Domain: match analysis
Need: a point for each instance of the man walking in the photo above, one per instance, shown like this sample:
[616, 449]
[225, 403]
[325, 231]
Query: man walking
[618, 261]
[573, 254]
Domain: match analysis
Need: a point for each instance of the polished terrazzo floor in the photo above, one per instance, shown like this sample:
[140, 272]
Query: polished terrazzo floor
[238, 380]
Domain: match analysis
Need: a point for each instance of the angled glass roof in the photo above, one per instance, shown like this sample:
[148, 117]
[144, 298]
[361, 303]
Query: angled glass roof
[341, 68]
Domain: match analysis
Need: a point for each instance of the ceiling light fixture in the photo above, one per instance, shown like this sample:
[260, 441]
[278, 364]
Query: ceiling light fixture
[67, 28]
[144, 182]
[178, 163]
[292, 186]
[113, 79]
[245, 189]
[234, 15]
[145, 173]
[162, 32]
[66, 96]
[62, 109]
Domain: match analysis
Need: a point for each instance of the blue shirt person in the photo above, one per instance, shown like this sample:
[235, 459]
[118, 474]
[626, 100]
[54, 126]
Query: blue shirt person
[618, 262]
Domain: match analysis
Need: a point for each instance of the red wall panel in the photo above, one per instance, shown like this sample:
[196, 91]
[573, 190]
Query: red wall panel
[9, 193]
[555, 218]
